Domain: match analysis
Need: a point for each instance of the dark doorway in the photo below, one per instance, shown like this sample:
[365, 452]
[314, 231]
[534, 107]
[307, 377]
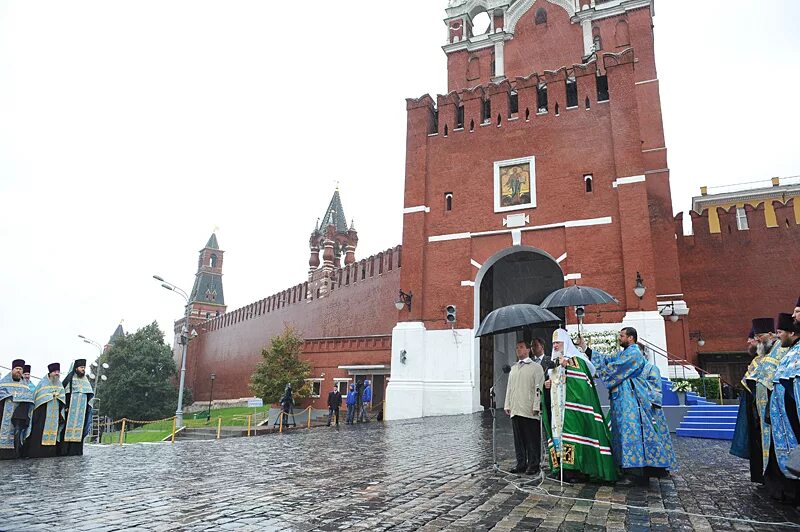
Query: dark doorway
[524, 276]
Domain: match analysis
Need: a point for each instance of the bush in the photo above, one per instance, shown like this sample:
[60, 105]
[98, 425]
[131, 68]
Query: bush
[711, 390]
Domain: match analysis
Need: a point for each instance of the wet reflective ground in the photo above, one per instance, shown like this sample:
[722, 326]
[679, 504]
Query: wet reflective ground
[430, 474]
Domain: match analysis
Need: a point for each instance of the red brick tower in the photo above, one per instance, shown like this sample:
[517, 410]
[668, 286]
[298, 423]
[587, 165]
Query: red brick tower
[545, 163]
[207, 299]
[337, 241]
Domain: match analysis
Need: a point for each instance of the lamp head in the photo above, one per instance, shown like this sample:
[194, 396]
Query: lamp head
[639, 289]
[157, 278]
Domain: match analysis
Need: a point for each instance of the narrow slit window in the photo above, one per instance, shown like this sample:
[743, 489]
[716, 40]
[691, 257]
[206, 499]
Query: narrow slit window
[448, 201]
[588, 104]
[602, 89]
[471, 126]
[587, 181]
[460, 117]
[527, 114]
[541, 98]
[434, 122]
[513, 103]
[557, 111]
[486, 111]
[572, 93]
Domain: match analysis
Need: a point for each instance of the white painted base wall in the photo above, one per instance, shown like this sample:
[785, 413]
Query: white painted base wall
[439, 374]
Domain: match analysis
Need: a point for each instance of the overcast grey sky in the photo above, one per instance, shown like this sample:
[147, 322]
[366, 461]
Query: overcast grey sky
[129, 130]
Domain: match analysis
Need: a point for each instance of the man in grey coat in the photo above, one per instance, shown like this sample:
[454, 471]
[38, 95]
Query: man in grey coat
[523, 404]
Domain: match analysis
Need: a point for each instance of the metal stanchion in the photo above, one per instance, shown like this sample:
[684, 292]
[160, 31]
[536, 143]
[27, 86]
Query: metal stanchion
[174, 425]
[219, 426]
[309, 417]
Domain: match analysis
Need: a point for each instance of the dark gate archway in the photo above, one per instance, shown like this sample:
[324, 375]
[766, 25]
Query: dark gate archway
[516, 275]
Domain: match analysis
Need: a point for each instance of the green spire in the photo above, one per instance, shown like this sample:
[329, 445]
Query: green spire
[212, 242]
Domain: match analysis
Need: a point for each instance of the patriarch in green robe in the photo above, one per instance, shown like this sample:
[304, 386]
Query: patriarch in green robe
[578, 438]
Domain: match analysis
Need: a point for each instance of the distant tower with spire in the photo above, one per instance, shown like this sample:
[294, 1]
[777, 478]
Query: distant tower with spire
[335, 239]
[207, 299]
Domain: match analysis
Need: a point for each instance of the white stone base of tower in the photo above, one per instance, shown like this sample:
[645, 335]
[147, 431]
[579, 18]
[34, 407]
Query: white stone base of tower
[434, 372]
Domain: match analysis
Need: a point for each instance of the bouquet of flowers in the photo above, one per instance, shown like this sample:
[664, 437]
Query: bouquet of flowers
[681, 386]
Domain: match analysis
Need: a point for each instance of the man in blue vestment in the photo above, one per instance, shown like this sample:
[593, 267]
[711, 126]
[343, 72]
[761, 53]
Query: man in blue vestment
[16, 403]
[640, 440]
[78, 411]
[784, 411]
[48, 415]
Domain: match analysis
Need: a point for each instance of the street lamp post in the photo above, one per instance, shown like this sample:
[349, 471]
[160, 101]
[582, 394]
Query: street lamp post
[184, 341]
[211, 397]
[97, 378]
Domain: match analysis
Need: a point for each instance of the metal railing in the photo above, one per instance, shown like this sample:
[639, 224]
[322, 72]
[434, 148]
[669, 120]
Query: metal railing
[673, 360]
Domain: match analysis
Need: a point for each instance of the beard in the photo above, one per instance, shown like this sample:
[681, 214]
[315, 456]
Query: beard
[764, 347]
[625, 344]
[55, 379]
[80, 372]
[16, 378]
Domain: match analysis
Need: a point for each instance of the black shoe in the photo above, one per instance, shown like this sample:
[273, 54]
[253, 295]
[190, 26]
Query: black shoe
[518, 470]
[533, 470]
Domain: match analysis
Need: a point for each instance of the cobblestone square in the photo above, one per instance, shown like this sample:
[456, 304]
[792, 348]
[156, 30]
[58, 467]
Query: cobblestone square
[430, 474]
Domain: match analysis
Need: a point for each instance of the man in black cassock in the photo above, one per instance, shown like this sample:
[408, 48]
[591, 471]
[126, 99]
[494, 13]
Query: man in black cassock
[747, 434]
[48, 415]
[78, 413]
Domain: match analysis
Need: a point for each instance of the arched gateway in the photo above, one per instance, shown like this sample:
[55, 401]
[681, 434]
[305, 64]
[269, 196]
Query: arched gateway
[519, 274]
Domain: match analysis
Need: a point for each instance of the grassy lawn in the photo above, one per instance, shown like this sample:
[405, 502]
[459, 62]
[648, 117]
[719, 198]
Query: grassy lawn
[154, 432]
[231, 417]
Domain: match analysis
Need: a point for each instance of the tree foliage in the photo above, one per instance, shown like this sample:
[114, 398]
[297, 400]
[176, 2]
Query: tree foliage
[281, 365]
[141, 377]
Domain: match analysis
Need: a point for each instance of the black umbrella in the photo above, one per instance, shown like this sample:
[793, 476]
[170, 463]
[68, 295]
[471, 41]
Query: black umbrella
[578, 296]
[514, 318]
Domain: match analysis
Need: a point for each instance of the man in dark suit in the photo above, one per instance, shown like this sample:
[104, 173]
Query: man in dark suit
[334, 404]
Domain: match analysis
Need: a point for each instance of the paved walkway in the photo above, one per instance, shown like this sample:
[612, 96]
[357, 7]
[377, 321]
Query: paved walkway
[427, 474]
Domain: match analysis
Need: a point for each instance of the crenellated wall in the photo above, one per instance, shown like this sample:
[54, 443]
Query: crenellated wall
[359, 302]
[731, 276]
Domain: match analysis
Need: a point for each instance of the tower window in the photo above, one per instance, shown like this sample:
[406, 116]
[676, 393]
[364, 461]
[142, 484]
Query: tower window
[602, 88]
[557, 111]
[460, 117]
[434, 124]
[541, 98]
[541, 16]
[471, 126]
[741, 219]
[486, 111]
[513, 103]
[588, 104]
[212, 261]
[596, 39]
[448, 201]
[587, 180]
[572, 93]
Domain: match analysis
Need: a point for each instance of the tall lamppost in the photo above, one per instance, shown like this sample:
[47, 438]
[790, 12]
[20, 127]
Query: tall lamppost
[99, 377]
[184, 341]
[211, 397]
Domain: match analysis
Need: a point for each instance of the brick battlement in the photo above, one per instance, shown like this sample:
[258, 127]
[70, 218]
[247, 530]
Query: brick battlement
[466, 109]
[340, 278]
[347, 343]
[721, 219]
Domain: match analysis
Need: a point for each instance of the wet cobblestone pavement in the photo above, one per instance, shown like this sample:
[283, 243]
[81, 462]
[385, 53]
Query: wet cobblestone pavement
[432, 474]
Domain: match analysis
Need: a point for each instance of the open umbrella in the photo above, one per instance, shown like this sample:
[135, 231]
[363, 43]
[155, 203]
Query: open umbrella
[578, 296]
[514, 318]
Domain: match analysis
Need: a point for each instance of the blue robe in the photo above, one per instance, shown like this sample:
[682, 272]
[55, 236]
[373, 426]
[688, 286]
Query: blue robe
[786, 381]
[15, 397]
[639, 432]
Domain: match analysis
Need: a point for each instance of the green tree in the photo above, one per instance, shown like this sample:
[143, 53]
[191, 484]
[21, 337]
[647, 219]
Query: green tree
[281, 365]
[141, 377]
